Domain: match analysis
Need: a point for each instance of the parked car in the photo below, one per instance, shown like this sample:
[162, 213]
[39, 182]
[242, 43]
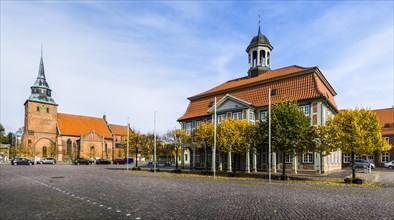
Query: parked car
[47, 160]
[103, 161]
[119, 161]
[78, 161]
[123, 161]
[21, 161]
[389, 164]
[362, 163]
[158, 163]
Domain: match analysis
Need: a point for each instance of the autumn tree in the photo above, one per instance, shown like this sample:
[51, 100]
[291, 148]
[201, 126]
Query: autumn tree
[235, 136]
[291, 132]
[174, 140]
[358, 132]
[325, 140]
[204, 135]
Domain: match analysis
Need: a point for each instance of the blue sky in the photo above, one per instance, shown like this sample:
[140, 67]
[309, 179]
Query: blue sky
[129, 59]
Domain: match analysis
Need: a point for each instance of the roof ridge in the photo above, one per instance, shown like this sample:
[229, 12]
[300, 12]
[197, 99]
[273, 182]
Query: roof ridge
[80, 115]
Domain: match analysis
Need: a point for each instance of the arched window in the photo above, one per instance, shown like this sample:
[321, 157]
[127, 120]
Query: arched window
[47, 110]
[262, 58]
[92, 152]
[68, 147]
[254, 59]
[106, 148]
[44, 151]
[38, 108]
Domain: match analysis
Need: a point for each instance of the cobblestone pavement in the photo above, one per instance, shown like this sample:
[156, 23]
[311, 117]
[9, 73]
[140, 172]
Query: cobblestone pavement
[93, 192]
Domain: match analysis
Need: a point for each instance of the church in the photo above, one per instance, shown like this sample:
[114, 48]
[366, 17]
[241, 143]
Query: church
[246, 98]
[48, 133]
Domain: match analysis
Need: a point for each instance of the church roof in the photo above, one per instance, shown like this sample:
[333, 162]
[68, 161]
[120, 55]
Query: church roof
[386, 116]
[119, 130]
[40, 91]
[75, 125]
[292, 83]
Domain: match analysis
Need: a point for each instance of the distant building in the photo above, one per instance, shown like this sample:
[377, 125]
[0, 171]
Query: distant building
[48, 133]
[246, 98]
[386, 118]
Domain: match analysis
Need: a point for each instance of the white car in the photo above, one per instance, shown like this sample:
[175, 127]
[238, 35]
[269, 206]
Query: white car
[389, 164]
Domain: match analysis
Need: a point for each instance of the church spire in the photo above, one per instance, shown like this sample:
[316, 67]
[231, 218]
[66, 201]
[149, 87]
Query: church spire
[40, 91]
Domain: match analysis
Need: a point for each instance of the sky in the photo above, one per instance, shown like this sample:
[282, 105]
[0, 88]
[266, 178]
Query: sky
[128, 59]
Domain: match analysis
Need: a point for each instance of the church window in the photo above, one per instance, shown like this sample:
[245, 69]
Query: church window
[92, 151]
[38, 108]
[68, 147]
[44, 151]
[47, 110]
[106, 148]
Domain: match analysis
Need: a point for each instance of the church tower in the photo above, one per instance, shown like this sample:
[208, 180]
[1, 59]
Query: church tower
[259, 54]
[40, 131]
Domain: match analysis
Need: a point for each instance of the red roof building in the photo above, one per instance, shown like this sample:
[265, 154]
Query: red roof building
[247, 98]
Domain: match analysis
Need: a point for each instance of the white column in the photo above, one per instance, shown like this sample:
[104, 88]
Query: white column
[295, 164]
[249, 61]
[229, 162]
[254, 160]
[258, 58]
[247, 168]
[220, 162]
[274, 162]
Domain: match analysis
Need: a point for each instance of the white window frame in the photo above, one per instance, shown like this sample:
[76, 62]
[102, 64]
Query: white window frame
[264, 115]
[188, 127]
[198, 123]
[306, 109]
[385, 157]
[289, 158]
[220, 118]
[252, 117]
[346, 158]
[324, 114]
[307, 157]
[386, 139]
[237, 115]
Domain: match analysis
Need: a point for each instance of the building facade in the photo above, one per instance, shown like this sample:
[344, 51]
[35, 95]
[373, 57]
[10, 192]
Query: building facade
[246, 98]
[386, 119]
[48, 133]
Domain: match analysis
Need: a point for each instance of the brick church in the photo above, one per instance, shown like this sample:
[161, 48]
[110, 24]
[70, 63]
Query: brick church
[48, 133]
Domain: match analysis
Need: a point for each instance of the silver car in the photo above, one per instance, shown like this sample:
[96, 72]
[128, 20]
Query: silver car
[47, 160]
[389, 164]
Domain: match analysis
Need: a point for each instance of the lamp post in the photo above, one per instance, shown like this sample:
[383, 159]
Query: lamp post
[127, 153]
[154, 140]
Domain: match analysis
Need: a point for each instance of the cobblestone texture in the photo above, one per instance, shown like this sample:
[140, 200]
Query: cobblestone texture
[96, 192]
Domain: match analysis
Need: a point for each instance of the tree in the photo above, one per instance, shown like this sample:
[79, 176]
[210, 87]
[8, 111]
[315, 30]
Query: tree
[325, 141]
[174, 140]
[235, 136]
[3, 138]
[204, 134]
[291, 132]
[358, 132]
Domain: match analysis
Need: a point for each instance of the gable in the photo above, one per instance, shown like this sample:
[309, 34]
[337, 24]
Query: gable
[228, 103]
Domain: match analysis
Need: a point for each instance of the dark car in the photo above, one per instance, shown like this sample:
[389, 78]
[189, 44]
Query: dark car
[48, 160]
[21, 161]
[103, 161]
[119, 161]
[78, 161]
[123, 161]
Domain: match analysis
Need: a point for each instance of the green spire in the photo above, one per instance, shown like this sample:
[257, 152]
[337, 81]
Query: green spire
[40, 91]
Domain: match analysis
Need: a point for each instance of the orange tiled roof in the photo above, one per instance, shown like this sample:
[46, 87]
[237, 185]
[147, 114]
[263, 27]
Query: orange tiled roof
[293, 83]
[119, 130]
[386, 116]
[75, 125]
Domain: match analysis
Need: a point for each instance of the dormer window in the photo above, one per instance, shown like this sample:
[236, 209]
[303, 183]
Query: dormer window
[386, 125]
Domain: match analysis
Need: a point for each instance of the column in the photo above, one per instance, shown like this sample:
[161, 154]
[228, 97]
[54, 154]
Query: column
[273, 162]
[229, 163]
[295, 164]
[247, 168]
[254, 160]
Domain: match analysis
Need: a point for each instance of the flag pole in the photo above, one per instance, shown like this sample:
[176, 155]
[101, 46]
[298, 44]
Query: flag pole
[269, 135]
[214, 145]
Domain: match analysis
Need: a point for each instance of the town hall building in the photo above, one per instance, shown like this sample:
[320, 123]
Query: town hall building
[246, 98]
[48, 133]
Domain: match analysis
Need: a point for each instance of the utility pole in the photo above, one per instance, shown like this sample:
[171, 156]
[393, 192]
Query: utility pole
[154, 145]
[269, 135]
[214, 144]
[127, 154]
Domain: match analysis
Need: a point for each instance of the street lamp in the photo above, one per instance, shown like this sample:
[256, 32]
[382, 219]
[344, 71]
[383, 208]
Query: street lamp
[154, 145]
[127, 153]
[270, 92]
